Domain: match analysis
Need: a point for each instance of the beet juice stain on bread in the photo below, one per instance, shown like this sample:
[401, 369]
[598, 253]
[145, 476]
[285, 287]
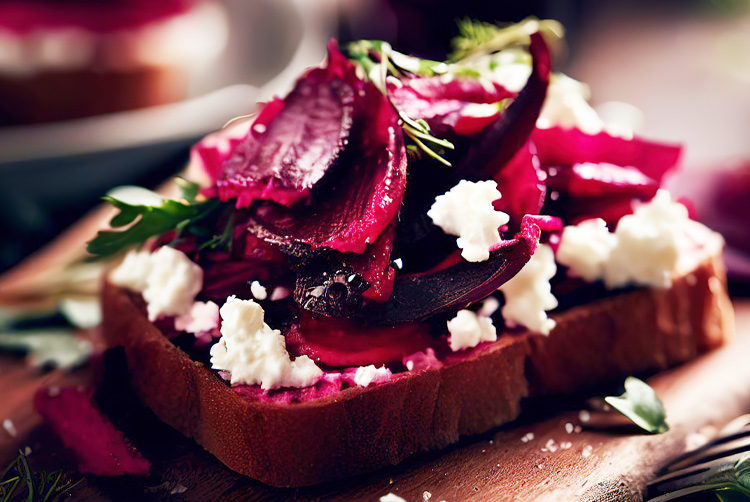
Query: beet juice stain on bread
[396, 253]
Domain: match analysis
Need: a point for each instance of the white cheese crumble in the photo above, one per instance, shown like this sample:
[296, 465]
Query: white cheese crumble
[167, 279]
[203, 316]
[468, 329]
[645, 248]
[390, 497]
[528, 295]
[256, 354]
[258, 291]
[585, 248]
[567, 106]
[366, 375]
[466, 211]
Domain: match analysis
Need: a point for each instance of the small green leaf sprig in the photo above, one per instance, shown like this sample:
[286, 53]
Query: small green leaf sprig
[18, 482]
[137, 222]
[378, 60]
[641, 405]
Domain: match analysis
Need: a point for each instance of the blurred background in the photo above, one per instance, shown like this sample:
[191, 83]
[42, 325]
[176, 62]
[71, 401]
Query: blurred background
[100, 93]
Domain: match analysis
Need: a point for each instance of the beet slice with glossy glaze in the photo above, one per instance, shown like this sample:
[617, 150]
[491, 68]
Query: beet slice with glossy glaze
[293, 142]
[445, 102]
[366, 196]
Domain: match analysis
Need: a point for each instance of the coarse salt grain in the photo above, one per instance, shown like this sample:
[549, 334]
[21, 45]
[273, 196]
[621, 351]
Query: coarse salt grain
[10, 428]
[565, 445]
[569, 428]
[588, 450]
[584, 416]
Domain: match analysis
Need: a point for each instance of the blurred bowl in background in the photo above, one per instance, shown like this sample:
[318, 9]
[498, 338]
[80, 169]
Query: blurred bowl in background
[64, 60]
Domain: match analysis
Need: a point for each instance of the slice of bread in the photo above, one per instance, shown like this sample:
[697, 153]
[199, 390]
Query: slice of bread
[362, 429]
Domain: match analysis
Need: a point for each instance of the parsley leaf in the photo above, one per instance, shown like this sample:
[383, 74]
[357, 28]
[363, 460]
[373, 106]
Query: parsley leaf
[151, 220]
[641, 405]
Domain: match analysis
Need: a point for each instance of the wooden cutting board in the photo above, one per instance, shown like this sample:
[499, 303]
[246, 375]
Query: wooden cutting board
[561, 462]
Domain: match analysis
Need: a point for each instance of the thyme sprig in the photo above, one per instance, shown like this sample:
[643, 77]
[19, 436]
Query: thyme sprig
[18, 482]
[379, 60]
[477, 38]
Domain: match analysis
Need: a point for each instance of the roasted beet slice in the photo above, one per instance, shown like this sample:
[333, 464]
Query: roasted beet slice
[498, 143]
[339, 284]
[499, 146]
[293, 142]
[99, 447]
[445, 102]
[364, 198]
[558, 146]
[341, 342]
[417, 297]
[374, 265]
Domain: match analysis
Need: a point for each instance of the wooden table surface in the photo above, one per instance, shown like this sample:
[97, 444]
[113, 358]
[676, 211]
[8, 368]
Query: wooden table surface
[556, 464]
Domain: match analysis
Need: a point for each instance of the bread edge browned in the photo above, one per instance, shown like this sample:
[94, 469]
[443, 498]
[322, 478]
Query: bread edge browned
[363, 429]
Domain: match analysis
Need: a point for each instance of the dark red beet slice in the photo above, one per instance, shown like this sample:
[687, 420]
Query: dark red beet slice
[520, 184]
[442, 102]
[293, 143]
[99, 447]
[498, 143]
[341, 342]
[374, 265]
[363, 199]
[558, 146]
[418, 297]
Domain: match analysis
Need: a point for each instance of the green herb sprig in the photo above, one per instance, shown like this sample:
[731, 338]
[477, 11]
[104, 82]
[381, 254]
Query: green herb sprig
[18, 482]
[378, 60]
[139, 222]
[477, 38]
[641, 405]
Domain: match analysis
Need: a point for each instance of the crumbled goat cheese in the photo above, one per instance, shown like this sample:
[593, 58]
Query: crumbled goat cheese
[391, 498]
[645, 248]
[489, 306]
[585, 248]
[258, 291]
[366, 375]
[466, 211]
[203, 316]
[256, 354]
[468, 329]
[167, 279]
[528, 295]
[567, 106]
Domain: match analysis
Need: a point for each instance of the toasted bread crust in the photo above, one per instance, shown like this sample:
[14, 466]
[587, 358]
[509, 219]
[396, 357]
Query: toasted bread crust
[362, 429]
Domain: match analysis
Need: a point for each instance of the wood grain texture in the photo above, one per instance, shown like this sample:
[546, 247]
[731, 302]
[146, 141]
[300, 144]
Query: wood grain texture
[711, 390]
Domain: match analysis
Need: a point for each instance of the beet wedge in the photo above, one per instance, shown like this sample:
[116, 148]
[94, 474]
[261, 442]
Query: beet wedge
[498, 143]
[417, 297]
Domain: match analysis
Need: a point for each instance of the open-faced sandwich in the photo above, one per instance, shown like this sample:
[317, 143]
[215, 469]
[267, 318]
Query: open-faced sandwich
[398, 252]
